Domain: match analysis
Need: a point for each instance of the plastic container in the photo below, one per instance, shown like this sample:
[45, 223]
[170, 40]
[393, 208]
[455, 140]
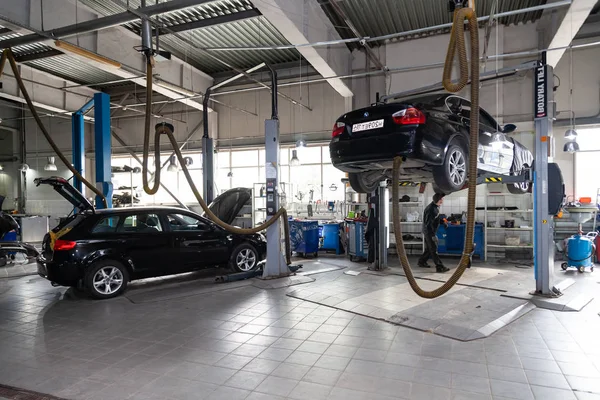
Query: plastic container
[580, 250]
[512, 240]
[304, 237]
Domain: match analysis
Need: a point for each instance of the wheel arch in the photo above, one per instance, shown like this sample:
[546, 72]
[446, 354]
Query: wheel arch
[110, 254]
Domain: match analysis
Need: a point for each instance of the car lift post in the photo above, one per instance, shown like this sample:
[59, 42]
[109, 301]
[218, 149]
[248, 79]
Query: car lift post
[79, 142]
[102, 145]
[275, 266]
[543, 252]
[383, 234]
[208, 152]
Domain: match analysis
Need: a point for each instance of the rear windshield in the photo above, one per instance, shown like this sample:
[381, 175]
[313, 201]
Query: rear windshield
[69, 222]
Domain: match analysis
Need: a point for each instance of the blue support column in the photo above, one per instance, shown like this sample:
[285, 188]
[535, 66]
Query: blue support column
[78, 148]
[102, 146]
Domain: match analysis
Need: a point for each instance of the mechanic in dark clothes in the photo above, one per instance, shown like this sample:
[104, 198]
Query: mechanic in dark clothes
[431, 222]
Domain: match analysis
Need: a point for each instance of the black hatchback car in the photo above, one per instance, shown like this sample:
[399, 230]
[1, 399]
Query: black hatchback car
[103, 250]
[432, 132]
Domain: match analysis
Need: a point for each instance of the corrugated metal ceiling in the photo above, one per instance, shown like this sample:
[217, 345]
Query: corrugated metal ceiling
[382, 17]
[70, 68]
[247, 32]
[64, 66]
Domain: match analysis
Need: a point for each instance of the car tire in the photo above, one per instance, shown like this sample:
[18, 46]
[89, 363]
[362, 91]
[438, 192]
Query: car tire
[244, 258]
[519, 188]
[97, 281]
[451, 176]
[360, 184]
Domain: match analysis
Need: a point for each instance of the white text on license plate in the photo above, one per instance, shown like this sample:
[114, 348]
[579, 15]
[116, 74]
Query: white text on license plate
[365, 126]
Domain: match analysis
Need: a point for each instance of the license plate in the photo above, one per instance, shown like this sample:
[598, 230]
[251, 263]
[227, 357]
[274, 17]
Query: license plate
[366, 126]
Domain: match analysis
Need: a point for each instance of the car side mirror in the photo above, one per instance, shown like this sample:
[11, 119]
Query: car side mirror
[508, 128]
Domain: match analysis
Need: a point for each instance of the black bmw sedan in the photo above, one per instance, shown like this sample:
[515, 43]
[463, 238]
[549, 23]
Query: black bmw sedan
[432, 133]
[103, 250]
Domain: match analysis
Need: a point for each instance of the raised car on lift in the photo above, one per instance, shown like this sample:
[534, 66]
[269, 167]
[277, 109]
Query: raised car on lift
[432, 132]
[103, 250]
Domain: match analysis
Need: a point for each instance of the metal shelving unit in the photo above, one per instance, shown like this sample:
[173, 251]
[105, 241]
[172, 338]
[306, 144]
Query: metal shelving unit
[410, 227]
[495, 215]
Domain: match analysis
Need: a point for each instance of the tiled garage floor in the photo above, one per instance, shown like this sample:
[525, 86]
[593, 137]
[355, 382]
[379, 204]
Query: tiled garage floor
[250, 343]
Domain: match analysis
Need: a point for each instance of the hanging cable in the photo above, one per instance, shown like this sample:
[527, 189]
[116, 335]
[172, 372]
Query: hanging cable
[457, 40]
[167, 130]
[7, 54]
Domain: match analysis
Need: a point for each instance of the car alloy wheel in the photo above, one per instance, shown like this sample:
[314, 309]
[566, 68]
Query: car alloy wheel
[457, 167]
[107, 280]
[246, 260]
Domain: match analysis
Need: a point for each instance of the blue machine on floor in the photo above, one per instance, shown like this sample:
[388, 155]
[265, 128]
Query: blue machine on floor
[580, 250]
[451, 240]
[357, 244]
[330, 237]
[304, 237]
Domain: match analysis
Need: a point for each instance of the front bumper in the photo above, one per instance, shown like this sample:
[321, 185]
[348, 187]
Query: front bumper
[370, 152]
[65, 274]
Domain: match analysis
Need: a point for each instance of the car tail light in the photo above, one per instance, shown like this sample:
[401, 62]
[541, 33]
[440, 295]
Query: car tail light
[338, 129]
[63, 245]
[409, 116]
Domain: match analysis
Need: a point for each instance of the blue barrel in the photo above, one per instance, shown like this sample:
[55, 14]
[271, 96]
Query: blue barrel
[580, 251]
[304, 236]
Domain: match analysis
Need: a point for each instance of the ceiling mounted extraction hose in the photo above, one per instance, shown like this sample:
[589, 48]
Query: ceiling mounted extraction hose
[7, 54]
[457, 39]
[167, 129]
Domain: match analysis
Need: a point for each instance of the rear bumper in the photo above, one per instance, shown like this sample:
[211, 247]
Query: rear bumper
[371, 152]
[65, 274]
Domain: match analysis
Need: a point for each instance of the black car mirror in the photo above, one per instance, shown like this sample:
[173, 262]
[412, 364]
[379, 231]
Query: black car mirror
[508, 128]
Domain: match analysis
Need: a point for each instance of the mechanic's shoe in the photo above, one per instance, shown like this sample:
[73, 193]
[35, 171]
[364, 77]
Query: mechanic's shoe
[441, 269]
[424, 265]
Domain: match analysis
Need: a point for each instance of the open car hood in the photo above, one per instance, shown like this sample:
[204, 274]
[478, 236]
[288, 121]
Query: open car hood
[228, 204]
[66, 190]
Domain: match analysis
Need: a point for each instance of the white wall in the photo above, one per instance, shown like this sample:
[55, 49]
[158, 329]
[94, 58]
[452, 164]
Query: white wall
[295, 121]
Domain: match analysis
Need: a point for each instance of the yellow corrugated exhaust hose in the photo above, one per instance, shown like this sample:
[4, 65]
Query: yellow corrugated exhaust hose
[8, 55]
[457, 40]
[164, 129]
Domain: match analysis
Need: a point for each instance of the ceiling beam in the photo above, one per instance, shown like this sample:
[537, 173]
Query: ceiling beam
[38, 55]
[303, 22]
[203, 23]
[100, 23]
[575, 16]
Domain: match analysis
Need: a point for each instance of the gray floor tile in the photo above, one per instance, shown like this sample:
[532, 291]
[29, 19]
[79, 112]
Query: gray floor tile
[583, 369]
[587, 396]
[582, 384]
[275, 354]
[547, 379]
[249, 350]
[507, 374]
[370, 355]
[472, 384]
[513, 390]
[233, 361]
[338, 393]
[303, 358]
[422, 392]
[277, 386]
[263, 396]
[547, 393]
[287, 343]
[535, 364]
[340, 350]
[228, 393]
[460, 395]
[309, 390]
[431, 377]
[246, 380]
[261, 366]
[332, 362]
[323, 376]
[322, 337]
[313, 347]
[469, 368]
[291, 371]
[262, 340]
